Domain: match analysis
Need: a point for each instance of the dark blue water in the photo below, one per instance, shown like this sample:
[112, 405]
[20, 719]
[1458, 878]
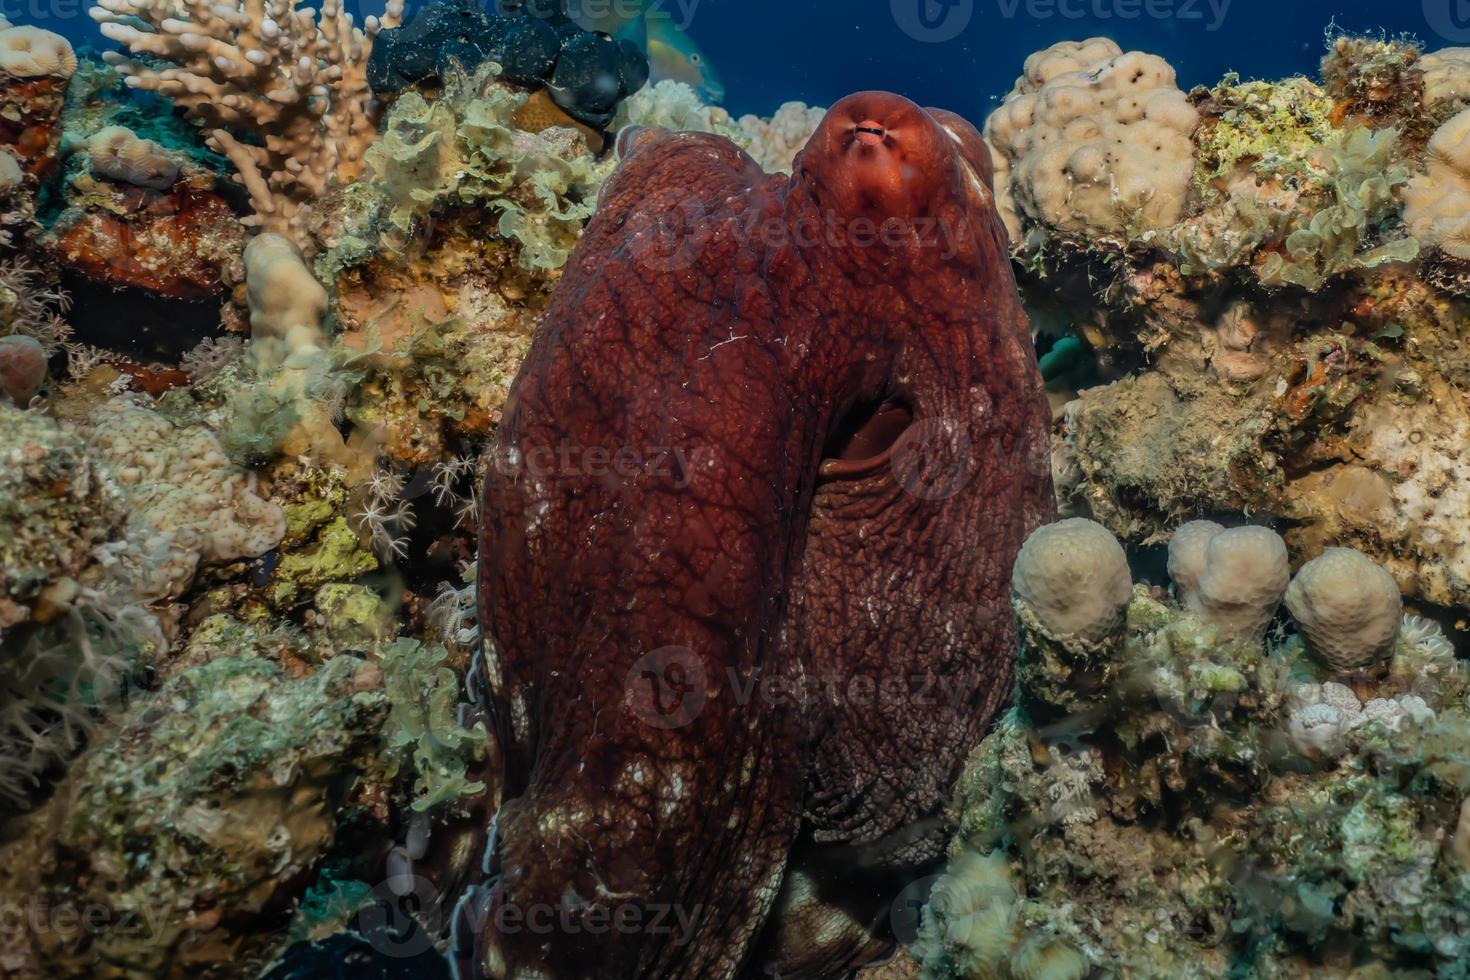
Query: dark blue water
[964, 54]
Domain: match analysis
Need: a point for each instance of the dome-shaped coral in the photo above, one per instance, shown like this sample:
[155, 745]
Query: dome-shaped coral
[1187, 553]
[1093, 140]
[1044, 957]
[118, 153]
[22, 368]
[1347, 607]
[1073, 577]
[1232, 579]
[1437, 203]
[29, 52]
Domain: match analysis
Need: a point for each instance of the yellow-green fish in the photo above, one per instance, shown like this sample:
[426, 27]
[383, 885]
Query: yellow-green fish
[672, 53]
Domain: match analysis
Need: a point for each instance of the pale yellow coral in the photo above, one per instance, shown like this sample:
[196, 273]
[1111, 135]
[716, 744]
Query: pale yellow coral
[29, 52]
[187, 504]
[271, 68]
[287, 304]
[1232, 579]
[775, 142]
[1446, 75]
[1073, 577]
[1093, 140]
[1347, 607]
[118, 153]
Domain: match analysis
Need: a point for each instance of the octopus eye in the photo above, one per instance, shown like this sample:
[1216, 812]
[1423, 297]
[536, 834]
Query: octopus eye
[870, 133]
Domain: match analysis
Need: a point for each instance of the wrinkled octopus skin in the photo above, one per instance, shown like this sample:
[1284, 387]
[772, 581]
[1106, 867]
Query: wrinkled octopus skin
[745, 555]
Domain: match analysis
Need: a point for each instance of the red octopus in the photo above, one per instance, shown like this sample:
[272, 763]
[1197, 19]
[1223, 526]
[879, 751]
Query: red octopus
[745, 555]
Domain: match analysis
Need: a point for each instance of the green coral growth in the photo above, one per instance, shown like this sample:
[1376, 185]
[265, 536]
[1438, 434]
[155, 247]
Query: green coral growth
[335, 555]
[463, 149]
[1261, 129]
[423, 732]
[1359, 174]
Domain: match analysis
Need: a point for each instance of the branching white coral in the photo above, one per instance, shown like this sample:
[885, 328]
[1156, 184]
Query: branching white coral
[384, 514]
[269, 68]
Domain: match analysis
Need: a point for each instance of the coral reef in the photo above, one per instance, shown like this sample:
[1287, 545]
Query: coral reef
[1092, 140]
[1100, 843]
[294, 78]
[240, 470]
[1274, 343]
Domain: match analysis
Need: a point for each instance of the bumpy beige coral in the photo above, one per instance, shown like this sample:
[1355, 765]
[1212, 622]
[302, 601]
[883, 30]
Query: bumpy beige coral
[1073, 577]
[186, 502]
[287, 304]
[1092, 140]
[1232, 579]
[1437, 203]
[1187, 553]
[1446, 75]
[1347, 607]
[29, 52]
[119, 153]
[264, 67]
[775, 142]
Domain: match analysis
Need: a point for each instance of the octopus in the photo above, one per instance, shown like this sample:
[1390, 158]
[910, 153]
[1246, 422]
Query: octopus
[745, 555]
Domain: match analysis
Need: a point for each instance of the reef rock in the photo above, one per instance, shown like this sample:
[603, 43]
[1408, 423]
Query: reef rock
[1097, 844]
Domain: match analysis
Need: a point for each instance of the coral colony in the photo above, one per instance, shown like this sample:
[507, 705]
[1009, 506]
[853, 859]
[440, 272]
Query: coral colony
[320, 651]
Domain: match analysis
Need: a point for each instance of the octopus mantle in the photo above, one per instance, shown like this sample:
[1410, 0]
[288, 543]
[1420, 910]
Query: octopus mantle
[746, 550]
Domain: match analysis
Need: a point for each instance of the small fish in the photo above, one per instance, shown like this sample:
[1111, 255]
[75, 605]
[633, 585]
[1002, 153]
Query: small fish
[651, 24]
[673, 54]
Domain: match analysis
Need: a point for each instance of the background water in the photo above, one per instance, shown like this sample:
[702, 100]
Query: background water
[964, 54]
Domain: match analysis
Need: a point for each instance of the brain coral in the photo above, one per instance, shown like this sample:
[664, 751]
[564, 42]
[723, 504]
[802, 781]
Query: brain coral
[1437, 203]
[1347, 607]
[1093, 140]
[29, 52]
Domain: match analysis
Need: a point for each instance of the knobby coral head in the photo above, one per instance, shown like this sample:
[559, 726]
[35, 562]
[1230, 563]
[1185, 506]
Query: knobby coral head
[745, 554]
